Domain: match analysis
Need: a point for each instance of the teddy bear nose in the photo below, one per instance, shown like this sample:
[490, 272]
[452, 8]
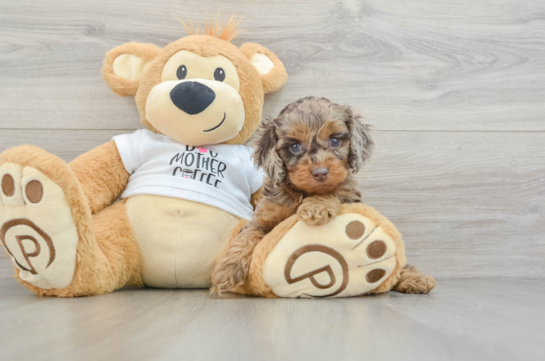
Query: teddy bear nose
[192, 97]
[320, 174]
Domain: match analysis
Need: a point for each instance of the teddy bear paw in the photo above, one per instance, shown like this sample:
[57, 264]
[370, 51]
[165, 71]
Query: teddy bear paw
[349, 256]
[37, 230]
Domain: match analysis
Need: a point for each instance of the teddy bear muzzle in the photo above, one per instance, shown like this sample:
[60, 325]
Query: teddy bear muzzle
[196, 112]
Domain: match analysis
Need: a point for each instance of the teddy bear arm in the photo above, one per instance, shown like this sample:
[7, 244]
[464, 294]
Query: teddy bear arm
[102, 175]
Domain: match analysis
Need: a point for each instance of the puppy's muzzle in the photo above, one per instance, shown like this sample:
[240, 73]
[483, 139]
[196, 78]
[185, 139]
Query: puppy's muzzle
[192, 97]
[320, 174]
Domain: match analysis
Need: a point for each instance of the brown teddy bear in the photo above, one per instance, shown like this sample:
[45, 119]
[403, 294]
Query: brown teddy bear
[186, 183]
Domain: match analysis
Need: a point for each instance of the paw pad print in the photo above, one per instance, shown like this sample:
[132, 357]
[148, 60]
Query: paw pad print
[346, 257]
[37, 230]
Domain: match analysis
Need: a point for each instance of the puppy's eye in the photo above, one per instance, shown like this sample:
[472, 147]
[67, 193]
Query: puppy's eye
[219, 74]
[295, 148]
[181, 73]
[334, 142]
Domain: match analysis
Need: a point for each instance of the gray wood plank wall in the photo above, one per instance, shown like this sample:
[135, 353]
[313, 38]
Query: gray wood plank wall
[455, 90]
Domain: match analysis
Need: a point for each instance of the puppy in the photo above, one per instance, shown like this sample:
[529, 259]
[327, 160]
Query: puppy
[310, 154]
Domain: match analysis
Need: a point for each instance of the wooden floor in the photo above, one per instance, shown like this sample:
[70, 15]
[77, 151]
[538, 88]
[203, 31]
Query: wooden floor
[456, 93]
[462, 320]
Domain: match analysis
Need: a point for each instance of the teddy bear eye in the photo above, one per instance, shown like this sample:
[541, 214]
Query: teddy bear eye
[181, 73]
[219, 74]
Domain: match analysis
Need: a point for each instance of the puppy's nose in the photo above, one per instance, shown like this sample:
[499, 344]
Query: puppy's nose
[192, 97]
[320, 174]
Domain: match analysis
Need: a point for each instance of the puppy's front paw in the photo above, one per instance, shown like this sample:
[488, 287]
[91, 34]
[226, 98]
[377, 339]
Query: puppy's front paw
[229, 276]
[316, 213]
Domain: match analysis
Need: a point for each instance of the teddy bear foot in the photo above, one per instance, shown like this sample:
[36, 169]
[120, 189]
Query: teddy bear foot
[37, 229]
[359, 252]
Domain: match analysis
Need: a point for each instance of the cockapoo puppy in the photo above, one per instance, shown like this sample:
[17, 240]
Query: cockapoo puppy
[310, 154]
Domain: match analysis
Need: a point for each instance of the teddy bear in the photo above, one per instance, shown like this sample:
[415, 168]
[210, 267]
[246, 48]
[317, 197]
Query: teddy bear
[157, 207]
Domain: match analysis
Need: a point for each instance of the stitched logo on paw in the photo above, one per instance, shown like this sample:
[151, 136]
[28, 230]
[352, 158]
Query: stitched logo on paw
[312, 274]
[37, 229]
[21, 238]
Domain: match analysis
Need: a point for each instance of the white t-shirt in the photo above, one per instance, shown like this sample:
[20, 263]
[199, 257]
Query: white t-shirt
[223, 176]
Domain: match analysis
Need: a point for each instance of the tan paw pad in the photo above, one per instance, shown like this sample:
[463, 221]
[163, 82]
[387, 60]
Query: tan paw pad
[37, 230]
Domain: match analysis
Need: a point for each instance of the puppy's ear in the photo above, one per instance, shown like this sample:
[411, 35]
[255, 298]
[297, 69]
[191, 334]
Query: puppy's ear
[124, 66]
[361, 142]
[265, 155]
[271, 70]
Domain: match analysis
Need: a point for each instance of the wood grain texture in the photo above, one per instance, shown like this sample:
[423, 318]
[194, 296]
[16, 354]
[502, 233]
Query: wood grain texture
[426, 65]
[469, 204]
[455, 90]
[459, 320]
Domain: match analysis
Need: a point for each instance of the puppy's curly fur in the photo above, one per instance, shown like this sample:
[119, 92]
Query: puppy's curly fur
[310, 154]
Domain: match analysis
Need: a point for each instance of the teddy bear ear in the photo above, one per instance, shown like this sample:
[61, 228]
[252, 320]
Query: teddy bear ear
[124, 66]
[270, 68]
